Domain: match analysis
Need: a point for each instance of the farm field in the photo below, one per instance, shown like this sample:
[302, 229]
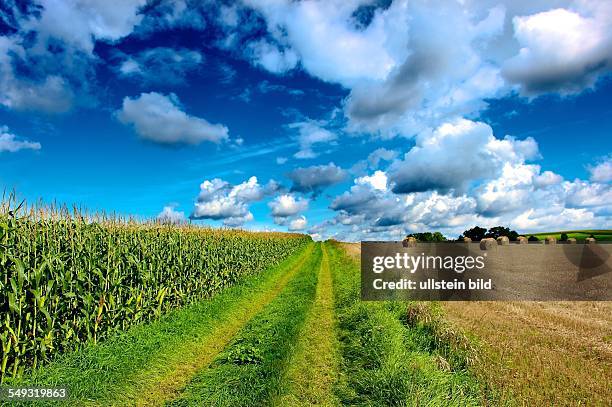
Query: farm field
[68, 281]
[537, 353]
[580, 235]
[141, 314]
[294, 334]
[540, 352]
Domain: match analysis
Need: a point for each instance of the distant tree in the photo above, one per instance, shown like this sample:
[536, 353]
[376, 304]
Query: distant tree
[476, 233]
[498, 231]
[563, 237]
[428, 237]
[532, 238]
[438, 237]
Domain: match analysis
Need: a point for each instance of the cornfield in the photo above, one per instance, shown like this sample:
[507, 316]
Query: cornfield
[68, 278]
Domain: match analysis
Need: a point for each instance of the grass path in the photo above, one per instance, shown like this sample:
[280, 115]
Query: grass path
[249, 371]
[149, 363]
[384, 361]
[196, 355]
[313, 369]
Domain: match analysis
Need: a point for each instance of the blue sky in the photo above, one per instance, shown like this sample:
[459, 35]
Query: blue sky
[354, 120]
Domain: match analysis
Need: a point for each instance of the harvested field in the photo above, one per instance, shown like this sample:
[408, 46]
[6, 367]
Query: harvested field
[538, 353]
[542, 352]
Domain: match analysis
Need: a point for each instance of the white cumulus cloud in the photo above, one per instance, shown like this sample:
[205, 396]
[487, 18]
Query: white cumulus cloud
[602, 172]
[562, 50]
[160, 118]
[297, 224]
[11, 143]
[454, 154]
[286, 205]
[81, 22]
[170, 215]
[220, 200]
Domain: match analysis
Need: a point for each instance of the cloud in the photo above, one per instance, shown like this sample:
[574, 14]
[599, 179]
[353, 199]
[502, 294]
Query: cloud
[410, 65]
[555, 217]
[48, 63]
[160, 65]
[310, 133]
[546, 179]
[513, 199]
[314, 179]
[507, 190]
[358, 199]
[265, 87]
[297, 224]
[9, 142]
[219, 200]
[285, 208]
[602, 172]
[287, 205]
[171, 14]
[367, 211]
[378, 180]
[160, 119]
[80, 23]
[381, 154]
[171, 215]
[45, 93]
[329, 47]
[510, 191]
[229, 15]
[522, 186]
[561, 50]
[454, 154]
[271, 58]
[400, 67]
[52, 95]
[374, 160]
[583, 194]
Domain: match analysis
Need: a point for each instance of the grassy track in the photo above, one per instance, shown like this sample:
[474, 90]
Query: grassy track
[150, 362]
[313, 370]
[250, 370]
[384, 361]
[295, 335]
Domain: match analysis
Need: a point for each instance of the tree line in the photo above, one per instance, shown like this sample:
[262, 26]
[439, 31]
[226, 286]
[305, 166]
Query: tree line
[476, 233]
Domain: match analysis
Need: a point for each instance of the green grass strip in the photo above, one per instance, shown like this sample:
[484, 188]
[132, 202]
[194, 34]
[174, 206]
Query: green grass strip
[249, 371]
[313, 369]
[579, 235]
[150, 363]
[382, 363]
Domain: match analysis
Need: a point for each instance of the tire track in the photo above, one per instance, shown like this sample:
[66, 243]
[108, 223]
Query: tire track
[313, 370]
[153, 388]
[249, 371]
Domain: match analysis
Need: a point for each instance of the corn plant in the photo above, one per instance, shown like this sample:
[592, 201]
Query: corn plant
[69, 277]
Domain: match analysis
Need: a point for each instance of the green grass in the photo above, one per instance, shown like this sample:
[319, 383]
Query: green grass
[297, 334]
[580, 235]
[120, 368]
[385, 360]
[249, 371]
[312, 371]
